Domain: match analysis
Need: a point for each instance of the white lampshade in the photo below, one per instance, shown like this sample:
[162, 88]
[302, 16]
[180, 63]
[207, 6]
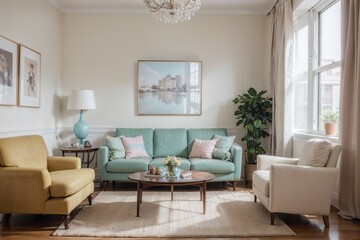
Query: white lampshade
[81, 99]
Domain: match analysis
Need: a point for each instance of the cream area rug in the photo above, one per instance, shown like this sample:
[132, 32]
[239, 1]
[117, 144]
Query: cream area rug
[228, 214]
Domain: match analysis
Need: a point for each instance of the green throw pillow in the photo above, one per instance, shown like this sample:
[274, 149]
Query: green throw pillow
[222, 147]
[116, 147]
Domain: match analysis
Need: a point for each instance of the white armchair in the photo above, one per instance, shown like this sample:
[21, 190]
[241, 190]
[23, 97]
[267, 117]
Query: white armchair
[282, 186]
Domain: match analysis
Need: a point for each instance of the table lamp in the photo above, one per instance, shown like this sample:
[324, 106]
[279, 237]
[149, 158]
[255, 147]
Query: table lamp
[81, 100]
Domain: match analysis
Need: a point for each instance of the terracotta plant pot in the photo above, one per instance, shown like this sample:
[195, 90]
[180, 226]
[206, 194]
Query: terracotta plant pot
[249, 169]
[330, 129]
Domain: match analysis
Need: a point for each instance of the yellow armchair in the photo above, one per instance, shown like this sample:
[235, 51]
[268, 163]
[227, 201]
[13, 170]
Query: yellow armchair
[31, 182]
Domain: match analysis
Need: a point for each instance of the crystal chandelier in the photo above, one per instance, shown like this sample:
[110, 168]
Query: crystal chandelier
[172, 11]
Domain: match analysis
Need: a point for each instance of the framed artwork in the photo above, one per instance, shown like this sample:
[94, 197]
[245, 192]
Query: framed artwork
[8, 71]
[30, 77]
[169, 88]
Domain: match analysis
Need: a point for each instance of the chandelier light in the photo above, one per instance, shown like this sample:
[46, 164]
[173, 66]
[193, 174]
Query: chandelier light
[173, 11]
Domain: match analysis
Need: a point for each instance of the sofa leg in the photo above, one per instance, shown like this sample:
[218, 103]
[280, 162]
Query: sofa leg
[326, 220]
[113, 185]
[6, 217]
[105, 185]
[66, 220]
[223, 184]
[272, 218]
[90, 197]
[255, 198]
[234, 183]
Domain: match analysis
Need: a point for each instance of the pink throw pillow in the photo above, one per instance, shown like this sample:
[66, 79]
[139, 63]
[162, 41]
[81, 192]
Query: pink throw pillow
[134, 147]
[203, 148]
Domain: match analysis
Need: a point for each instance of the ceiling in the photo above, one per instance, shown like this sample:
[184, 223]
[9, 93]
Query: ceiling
[138, 6]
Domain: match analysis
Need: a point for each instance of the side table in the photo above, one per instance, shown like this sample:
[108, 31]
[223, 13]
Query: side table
[91, 154]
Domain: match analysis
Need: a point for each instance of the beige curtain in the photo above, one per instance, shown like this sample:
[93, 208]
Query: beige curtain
[281, 77]
[349, 193]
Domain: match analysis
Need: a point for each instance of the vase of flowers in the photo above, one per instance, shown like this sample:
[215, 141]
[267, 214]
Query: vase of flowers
[171, 163]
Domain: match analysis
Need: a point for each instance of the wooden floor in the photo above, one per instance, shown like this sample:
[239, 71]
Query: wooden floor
[39, 227]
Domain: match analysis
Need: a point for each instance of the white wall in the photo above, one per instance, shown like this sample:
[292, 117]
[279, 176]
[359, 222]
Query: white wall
[35, 24]
[100, 52]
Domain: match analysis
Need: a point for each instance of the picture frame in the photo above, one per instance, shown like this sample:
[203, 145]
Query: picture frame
[8, 71]
[30, 77]
[169, 87]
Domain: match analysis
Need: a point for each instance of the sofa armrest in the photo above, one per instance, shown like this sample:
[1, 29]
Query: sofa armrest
[301, 189]
[63, 163]
[265, 161]
[236, 158]
[24, 190]
[103, 160]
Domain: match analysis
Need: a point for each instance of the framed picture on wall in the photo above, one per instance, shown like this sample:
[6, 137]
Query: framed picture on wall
[30, 77]
[8, 71]
[169, 88]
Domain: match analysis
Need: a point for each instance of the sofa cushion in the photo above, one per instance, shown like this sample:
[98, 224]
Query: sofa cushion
[202, 134]
[23, 151]
[202, 148]
[212, 165]
[261, 179]
[222, 147]
[67, 182]
[158, 162]
[147, 134]
[116, 147]
[134, 147]
[128, 165]
[170, 142]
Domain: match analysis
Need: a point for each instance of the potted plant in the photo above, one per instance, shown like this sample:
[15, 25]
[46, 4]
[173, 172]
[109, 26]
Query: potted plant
[253, 113]
[330, 120]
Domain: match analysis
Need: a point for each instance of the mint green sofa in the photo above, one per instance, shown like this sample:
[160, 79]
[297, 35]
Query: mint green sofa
[160, 143]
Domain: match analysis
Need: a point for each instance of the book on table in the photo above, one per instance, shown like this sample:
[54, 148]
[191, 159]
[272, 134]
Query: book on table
[185, 174]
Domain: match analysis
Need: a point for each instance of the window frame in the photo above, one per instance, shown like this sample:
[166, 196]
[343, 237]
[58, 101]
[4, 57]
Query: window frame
[312, 20]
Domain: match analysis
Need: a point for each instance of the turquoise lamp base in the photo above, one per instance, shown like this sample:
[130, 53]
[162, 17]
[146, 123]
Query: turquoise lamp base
[81, 129]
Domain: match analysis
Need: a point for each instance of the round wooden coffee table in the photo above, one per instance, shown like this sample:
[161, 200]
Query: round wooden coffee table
[197, 178]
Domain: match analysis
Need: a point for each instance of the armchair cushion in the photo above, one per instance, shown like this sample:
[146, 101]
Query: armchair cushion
[316, 153]
[261, 180]
[67, 182]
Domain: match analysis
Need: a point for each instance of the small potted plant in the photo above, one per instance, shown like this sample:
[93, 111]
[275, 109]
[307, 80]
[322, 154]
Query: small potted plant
[253, 113]
[330, 120]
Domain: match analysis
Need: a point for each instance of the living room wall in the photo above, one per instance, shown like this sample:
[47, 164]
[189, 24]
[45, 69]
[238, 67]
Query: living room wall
[37, 25]
[100, 52]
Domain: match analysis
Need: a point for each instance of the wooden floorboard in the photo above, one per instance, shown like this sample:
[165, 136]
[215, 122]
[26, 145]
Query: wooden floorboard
[39, 227]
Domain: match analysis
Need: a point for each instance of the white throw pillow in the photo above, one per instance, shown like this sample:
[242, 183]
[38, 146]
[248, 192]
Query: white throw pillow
[315, 153]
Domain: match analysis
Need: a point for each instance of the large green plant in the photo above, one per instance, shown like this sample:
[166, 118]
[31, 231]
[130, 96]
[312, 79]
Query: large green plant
[253, 112]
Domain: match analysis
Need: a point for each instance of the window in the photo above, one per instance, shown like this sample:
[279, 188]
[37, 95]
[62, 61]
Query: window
[317, 66]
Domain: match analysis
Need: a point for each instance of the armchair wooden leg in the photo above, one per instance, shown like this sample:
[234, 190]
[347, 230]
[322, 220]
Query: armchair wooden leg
[90, 197]
[6, 217]
[234, 184]
[326, 220]
[105, 185]
[272, 217]
[255, 198]
[66, 220]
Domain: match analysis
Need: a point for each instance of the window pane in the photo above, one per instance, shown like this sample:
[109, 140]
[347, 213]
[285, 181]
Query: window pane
[329, 93]
[300, 79]
[329, 35]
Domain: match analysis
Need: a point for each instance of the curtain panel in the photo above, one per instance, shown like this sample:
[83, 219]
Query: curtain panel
[349, 192]
[281, 77]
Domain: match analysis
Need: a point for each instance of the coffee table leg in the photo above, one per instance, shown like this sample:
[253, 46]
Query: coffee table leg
[141, 191]
[204, 197]
[138, 200]
[172, 192]
[201, 192]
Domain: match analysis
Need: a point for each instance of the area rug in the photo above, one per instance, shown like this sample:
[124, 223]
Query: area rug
[228, 214]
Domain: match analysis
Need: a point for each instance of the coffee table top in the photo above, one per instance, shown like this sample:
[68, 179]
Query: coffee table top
[195, 177]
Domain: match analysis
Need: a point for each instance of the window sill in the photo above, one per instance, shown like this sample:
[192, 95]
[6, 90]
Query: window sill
[300, 136]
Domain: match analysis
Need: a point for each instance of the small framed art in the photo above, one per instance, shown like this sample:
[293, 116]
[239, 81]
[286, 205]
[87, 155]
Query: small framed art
[8, 71]
[169, 88]
[30, 77]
